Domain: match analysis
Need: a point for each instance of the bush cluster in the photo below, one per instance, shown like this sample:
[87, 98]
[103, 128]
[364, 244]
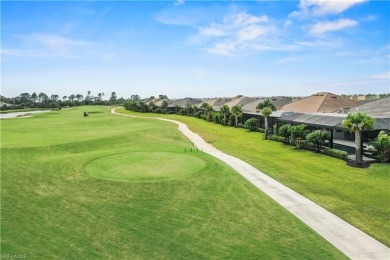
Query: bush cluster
[335, 153]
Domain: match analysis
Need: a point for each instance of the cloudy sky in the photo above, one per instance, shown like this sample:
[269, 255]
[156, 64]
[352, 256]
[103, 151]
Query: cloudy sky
[195, 48]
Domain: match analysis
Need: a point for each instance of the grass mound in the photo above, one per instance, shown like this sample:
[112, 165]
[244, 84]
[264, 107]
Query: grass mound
[145, 166]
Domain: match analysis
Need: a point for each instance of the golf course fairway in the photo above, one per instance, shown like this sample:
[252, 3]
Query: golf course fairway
[107, 186]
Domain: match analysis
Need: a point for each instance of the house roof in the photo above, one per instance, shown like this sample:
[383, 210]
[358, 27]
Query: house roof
[324, 102]
[278, 101]
[158, 102]
[216, 103]
[380, 107]
[185, 101]
[242, 101]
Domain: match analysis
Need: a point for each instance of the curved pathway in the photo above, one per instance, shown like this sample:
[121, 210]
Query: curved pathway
[351, 241]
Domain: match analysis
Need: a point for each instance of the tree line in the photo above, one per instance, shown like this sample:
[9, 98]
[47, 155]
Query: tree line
[42, 100]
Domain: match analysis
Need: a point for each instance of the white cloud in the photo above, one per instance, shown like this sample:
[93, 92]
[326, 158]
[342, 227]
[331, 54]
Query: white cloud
[288, 23]
[225, 48]
[252, 32]
[309, 8]
[244, 19]
[212, 31]
[236, 33]
[45, 45]
[323, 27]
[385, 76]
[179, 2]
[53, 41]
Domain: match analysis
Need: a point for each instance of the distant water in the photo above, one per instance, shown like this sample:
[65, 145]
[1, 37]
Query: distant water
[16, 114]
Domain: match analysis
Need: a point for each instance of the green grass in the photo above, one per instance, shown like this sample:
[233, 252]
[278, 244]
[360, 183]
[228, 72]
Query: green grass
[53, 208]
[359, 196]
[145, 166]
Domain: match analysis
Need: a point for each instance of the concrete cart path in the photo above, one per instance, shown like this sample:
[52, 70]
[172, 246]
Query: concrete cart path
[348, 239]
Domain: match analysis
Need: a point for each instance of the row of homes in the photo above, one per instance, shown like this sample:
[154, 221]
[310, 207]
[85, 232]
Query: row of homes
[319, 111]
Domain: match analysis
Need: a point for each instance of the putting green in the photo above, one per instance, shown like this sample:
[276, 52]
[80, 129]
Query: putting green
[145, 166]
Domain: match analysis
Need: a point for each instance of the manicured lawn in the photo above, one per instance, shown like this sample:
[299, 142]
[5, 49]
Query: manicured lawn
[359, 196]
[71, 187]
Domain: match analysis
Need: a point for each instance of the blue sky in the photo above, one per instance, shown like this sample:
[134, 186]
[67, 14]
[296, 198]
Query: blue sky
[195, 48]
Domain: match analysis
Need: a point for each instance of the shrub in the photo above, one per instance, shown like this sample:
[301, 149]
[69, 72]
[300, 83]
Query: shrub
[217, 118]
[297, 134]
[183, 112]
[240, 125]
[278, 138]
[308, 146]
[317, 138]
[261, 130]
[158, 110]
[232, 119]
[382, 147]
[251, 124]
[198, 114]
[223, 121]
[284, 131]
[335, 153]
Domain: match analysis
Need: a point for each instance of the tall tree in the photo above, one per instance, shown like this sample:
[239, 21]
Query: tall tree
[79, 97]
[54, 97]
[237, 112]
[135, 97]
[225, 110]
[357, 123]
[25, 97]
[42, 96]
[113, 98]
[34, 97]
[265, 108]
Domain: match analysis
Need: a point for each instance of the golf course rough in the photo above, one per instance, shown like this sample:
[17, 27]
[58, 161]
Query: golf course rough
[145, 166]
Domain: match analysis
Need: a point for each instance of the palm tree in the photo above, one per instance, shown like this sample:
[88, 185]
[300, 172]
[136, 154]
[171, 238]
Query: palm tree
[265, 108]
[357, 123]
[189, 109]
[207, 111]
[164, 104]
[225, 109]
[297, 134]
[237, 112]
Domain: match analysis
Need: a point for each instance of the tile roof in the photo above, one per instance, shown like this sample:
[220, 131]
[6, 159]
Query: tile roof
[242, 101]
[279, 102]
[185, 101]
[323, 102]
